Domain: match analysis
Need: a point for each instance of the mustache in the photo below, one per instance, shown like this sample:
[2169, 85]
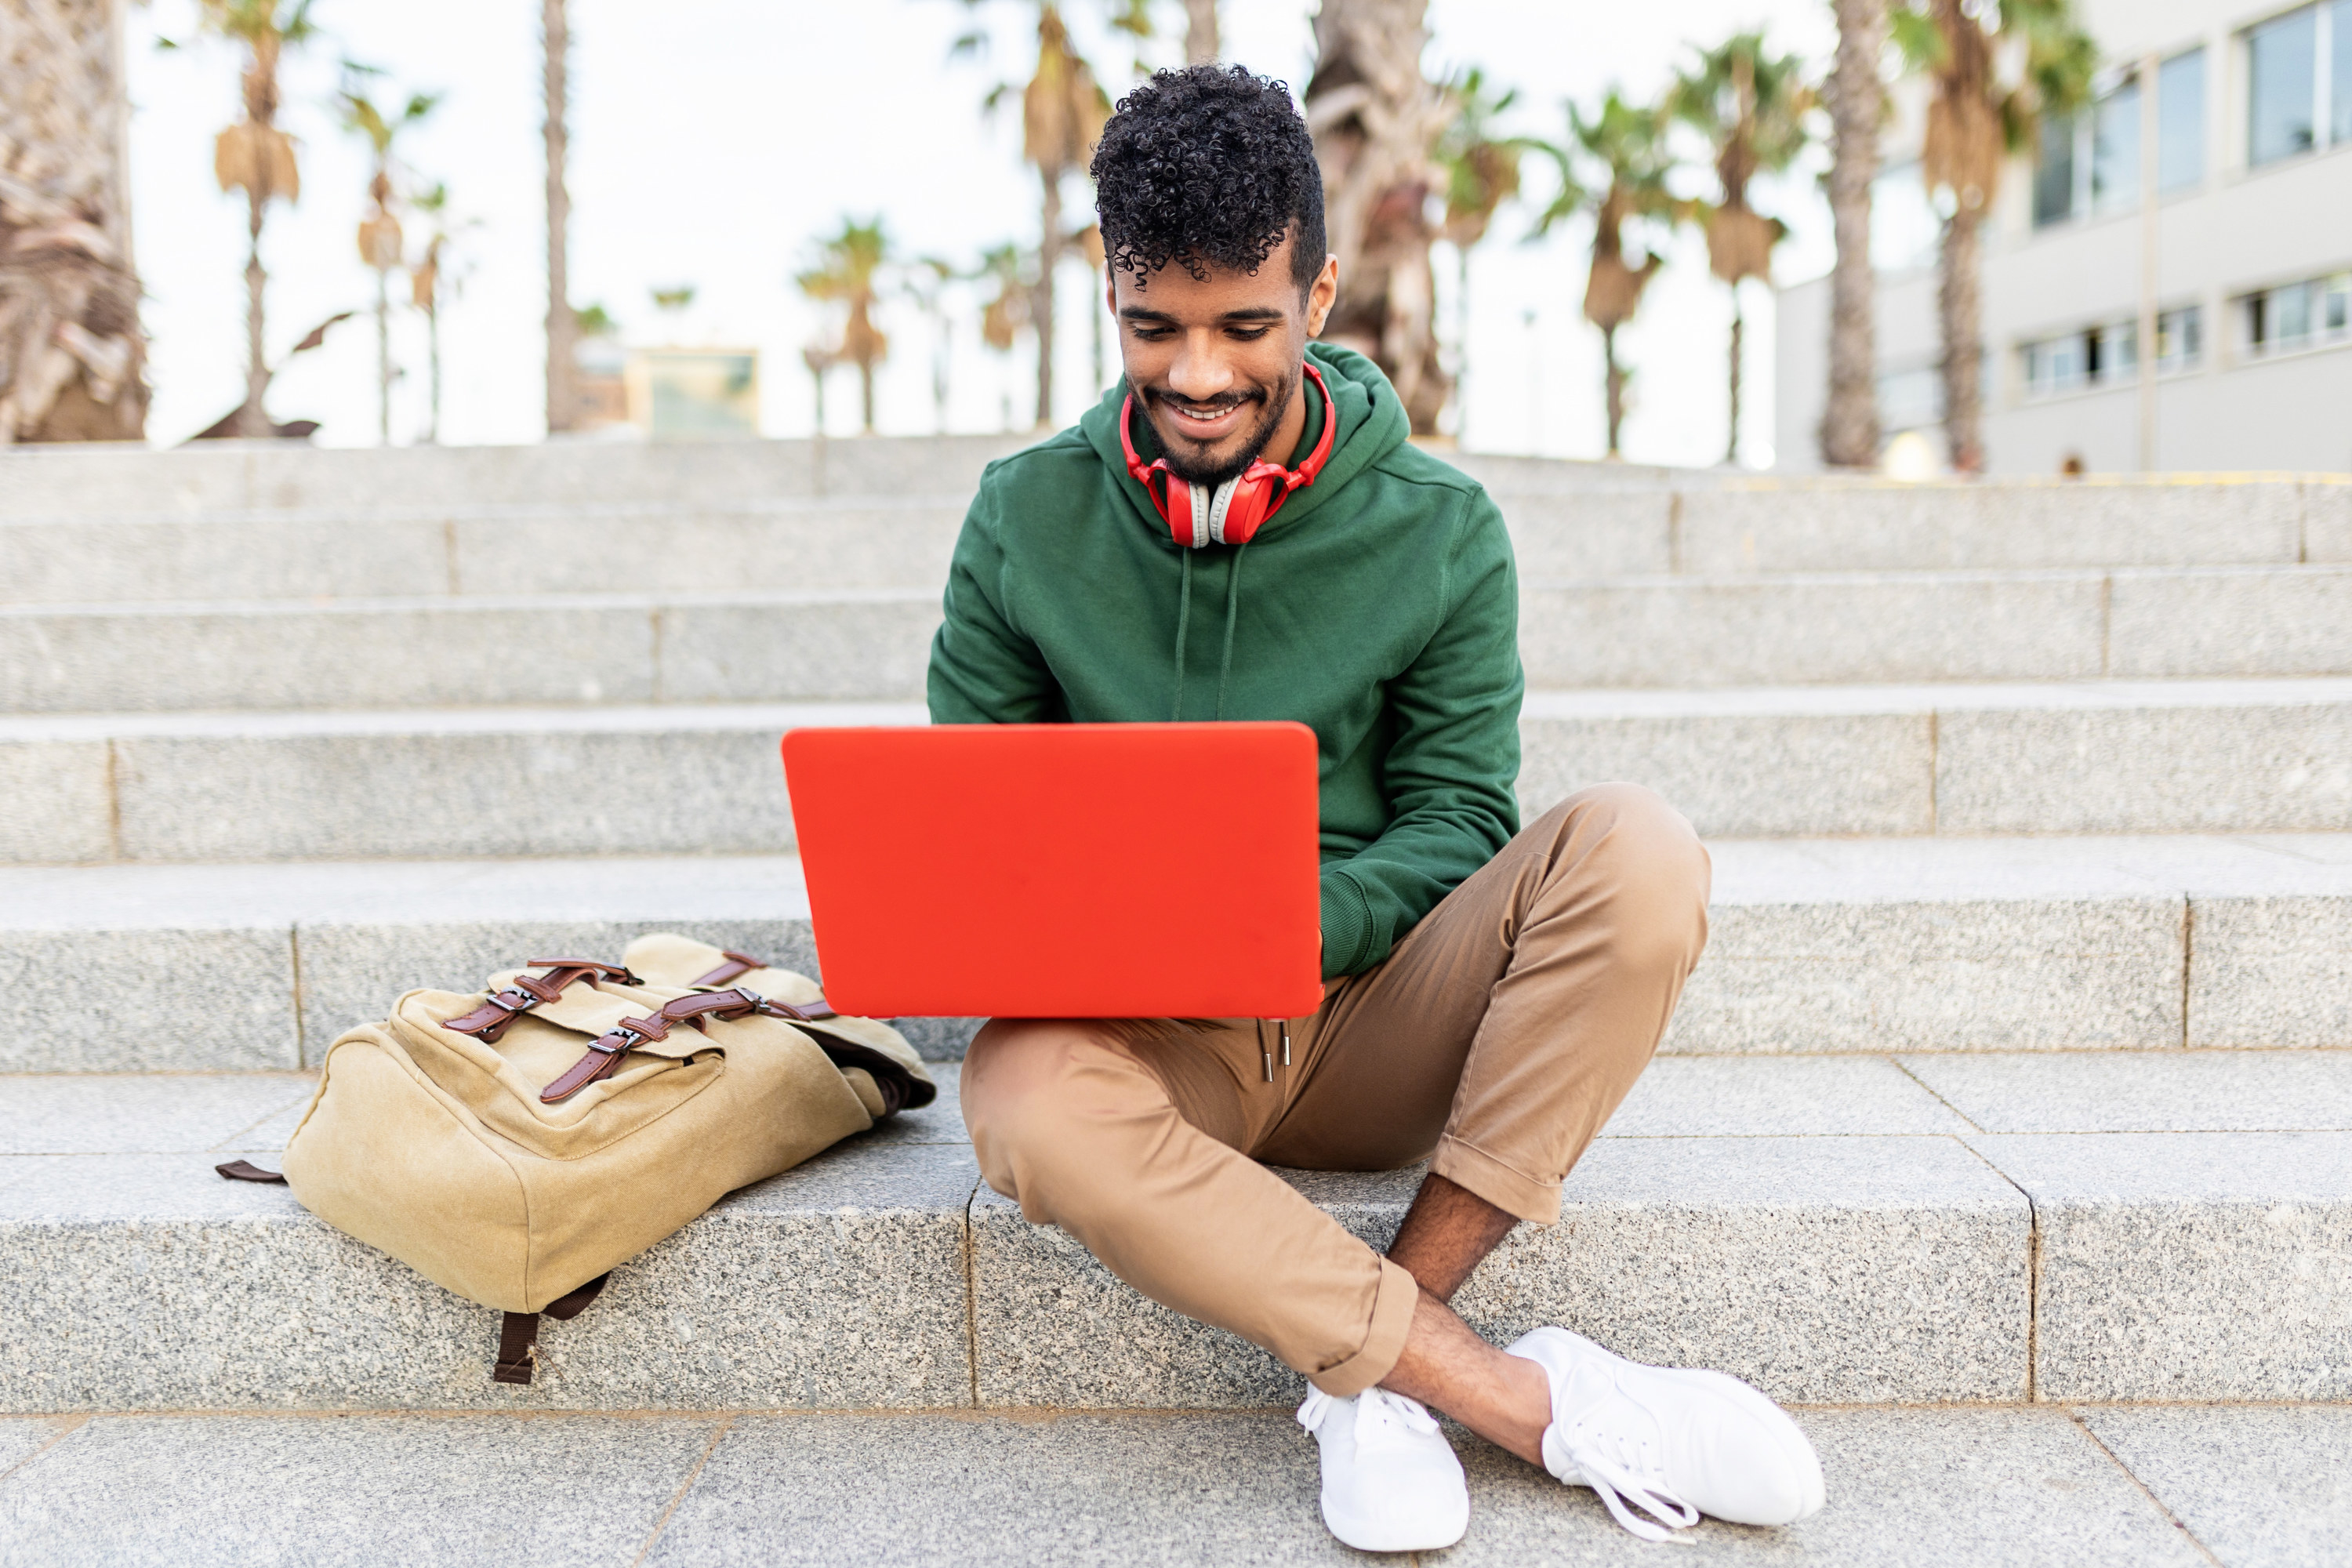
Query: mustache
[1231, 400]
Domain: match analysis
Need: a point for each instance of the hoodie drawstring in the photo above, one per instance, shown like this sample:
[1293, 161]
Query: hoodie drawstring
[1233, 612]
[1183, 626]
[1184, 629]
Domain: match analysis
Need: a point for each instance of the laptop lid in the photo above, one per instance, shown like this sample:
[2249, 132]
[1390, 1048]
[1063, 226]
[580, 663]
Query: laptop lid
[1062, 870]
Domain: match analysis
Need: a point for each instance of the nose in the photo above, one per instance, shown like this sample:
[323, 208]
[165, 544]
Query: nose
[1198, 373]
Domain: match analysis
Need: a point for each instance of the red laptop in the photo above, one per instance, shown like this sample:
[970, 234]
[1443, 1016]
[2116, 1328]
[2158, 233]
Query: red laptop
[1062, 870]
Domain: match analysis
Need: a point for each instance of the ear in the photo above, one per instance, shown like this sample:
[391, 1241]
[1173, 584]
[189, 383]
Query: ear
[1321, 295]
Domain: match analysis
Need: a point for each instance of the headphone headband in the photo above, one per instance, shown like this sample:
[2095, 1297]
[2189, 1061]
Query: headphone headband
[1241, 505]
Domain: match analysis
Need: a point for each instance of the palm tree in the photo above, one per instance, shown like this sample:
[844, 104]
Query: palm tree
[563, 323]
[380, 239]
[1199, 32]
[1482, 172]
[1857, 104]
[925, 283]
[254, 156]
[849, 269]
[1751, 107]
[1630, 143]
[1376, 121]
[1006, 313]
[1977, 121]
[71, 353]
[427, 281]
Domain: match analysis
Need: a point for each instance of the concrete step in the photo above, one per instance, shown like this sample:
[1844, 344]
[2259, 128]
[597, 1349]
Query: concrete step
[355, 533]
[485, 547]
[1855, 1230]
[87, 481]
[2088, 757]
[871, 644]
[2089, 1486]
[1816, 946]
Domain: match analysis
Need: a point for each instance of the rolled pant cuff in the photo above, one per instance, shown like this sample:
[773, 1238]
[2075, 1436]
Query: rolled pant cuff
[1393, 1309]
[1514, 1192]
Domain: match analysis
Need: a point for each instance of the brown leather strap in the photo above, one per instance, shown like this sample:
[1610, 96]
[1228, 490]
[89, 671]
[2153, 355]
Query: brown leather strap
[738, 965]
[518, 1348]
[602, 1056]
[246, 1171]
[524, 992]
[518, 1332]
[565, 1307]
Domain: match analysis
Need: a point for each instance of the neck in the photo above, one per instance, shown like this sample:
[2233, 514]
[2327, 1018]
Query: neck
[1282, 446]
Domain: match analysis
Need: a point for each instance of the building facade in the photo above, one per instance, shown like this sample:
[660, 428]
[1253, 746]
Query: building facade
[2202, 205]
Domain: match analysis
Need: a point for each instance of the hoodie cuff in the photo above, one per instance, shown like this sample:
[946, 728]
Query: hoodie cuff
[1346, 924]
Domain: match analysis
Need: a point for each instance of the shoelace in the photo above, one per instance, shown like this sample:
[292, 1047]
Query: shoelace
[1377, 1411]
[1625, 1472]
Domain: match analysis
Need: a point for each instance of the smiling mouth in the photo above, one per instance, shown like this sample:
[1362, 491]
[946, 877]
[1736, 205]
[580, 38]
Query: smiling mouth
[1202, 415]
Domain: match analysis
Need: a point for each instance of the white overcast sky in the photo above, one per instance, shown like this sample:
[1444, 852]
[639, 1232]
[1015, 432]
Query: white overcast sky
[713, 139]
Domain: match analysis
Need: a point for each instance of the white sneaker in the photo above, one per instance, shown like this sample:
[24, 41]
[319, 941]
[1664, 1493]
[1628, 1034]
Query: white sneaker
[1391, 1481]
[1671, 1442]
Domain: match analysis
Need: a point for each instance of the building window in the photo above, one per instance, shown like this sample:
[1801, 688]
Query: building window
[2180, 339]
[2299, 82]
[2181, 120]
[2108, 354]
[2294, 316]
[2053, 173]
[2115, 150]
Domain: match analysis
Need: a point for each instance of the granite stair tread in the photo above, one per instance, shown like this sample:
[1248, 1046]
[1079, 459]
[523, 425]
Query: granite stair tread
[1966, 758]
[2087, 1485]
[1840, 1229]
[1817, 945]
[835, 634]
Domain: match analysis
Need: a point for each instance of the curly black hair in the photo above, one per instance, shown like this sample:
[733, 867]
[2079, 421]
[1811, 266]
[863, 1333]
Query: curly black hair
[1209, 165]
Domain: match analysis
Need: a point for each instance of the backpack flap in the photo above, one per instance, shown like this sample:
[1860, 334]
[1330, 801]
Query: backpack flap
[860, 1047]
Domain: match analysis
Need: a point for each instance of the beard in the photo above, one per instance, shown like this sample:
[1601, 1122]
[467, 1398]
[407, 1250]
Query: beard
[1195, 468]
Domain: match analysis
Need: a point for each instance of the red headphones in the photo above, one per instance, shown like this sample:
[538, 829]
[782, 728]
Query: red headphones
[1236, 509]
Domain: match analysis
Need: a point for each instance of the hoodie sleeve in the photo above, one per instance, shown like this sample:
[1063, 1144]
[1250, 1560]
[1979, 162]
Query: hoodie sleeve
[983, 671]
[1450, 772]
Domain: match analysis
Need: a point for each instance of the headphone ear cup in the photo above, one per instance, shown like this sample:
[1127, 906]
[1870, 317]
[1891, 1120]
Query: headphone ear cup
[1244, 511]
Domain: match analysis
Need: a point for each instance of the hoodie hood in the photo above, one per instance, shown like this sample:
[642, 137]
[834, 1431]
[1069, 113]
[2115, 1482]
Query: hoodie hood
[1373, 424]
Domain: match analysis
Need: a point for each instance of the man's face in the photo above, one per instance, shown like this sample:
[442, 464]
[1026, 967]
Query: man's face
[1214, 361]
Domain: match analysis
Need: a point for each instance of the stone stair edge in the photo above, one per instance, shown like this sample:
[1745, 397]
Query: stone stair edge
[1876, 1268]
[705, 644]
[1842, 946]
[1957, 761]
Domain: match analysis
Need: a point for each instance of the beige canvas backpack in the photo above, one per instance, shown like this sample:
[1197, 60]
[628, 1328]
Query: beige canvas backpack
[514, 1146]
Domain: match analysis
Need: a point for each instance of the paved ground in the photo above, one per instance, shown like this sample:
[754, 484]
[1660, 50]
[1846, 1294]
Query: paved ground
[2245, 1486]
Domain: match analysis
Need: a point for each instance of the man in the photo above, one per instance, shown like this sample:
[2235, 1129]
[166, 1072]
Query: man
[1491, 994]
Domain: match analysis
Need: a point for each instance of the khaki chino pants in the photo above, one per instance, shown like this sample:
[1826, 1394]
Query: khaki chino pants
[1494, 1040]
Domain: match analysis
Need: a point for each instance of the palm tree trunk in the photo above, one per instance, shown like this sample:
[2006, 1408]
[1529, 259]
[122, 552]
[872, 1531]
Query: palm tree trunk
[1616, 387]
[1199, 31]
[1960, 299]
[866, 394]
[1738, 346]
[253, 422]
[1049, 256]
[1849, 432]
[562, 327]
[1375, 119]
[71, 353]
[1461, 342]
[433, 360]
[383, 361]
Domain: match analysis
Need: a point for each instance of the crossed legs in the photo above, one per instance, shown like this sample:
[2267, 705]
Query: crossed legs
[1496, 1040]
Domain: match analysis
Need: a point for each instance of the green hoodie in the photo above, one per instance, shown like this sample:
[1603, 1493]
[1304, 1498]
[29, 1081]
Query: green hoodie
[1380, 608]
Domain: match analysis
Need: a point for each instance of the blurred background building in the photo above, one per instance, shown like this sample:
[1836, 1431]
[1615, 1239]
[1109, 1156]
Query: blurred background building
[2199, 204]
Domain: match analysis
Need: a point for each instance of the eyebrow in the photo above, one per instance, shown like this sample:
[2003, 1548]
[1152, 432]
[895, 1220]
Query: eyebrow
[1145, 313]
